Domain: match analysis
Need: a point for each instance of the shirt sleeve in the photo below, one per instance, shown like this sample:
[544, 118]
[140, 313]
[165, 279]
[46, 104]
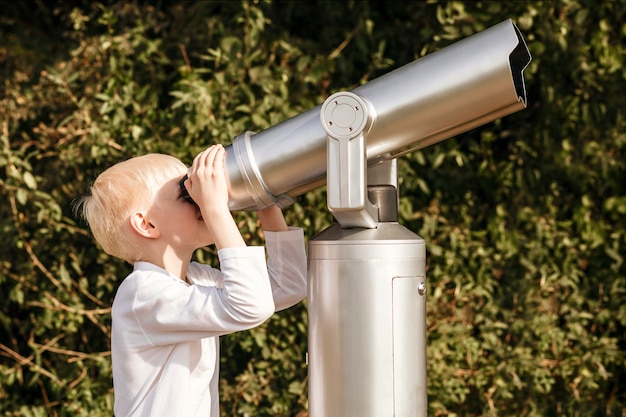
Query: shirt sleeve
[287, 266]
[164, 310]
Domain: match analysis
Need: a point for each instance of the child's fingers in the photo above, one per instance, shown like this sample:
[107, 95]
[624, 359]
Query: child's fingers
[205, 159]
[218, 161]
[197, 162]
[215, 160]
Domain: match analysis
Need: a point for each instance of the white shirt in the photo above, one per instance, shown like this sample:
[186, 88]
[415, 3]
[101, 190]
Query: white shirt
[165, 332]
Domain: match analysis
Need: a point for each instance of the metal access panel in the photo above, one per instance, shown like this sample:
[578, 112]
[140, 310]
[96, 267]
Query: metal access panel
[367, 323]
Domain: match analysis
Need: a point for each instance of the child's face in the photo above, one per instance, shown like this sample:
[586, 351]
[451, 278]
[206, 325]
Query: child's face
[179, 220]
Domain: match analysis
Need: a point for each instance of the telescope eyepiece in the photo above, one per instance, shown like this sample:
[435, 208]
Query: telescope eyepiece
[183, 190]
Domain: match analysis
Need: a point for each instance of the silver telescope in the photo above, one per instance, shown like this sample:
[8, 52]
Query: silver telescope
[460, 87]
[366, 273]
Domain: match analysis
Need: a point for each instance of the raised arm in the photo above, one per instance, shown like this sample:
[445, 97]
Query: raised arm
[272, 219]
[287, 263]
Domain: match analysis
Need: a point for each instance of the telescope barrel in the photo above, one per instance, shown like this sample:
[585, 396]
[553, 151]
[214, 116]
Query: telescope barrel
[463, 86]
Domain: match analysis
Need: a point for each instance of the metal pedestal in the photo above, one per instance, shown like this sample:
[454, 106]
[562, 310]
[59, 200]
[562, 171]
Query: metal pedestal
[367, 323]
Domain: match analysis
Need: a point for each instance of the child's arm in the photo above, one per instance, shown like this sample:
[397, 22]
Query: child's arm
[286, 258]
[156, 308]
[272, 219]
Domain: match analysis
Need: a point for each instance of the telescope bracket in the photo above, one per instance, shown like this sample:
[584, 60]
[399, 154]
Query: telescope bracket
[347, 118]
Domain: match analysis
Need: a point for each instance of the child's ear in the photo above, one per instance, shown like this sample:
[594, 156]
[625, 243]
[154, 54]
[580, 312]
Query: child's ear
[142, 226]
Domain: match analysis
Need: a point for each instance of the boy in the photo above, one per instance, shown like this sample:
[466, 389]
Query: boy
[169, 312]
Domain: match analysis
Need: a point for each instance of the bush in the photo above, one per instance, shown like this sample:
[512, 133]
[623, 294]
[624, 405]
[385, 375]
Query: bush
[523, 217]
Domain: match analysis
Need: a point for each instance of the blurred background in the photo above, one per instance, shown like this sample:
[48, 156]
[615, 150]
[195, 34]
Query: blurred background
[524, 218]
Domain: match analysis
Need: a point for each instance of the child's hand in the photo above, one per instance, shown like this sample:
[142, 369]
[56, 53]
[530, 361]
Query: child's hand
[207, 179]
[208, 187]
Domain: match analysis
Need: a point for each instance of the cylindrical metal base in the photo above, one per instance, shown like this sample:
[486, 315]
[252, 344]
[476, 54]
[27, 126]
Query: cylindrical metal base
[367, 323]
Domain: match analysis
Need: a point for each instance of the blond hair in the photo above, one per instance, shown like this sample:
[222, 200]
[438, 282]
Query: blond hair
[120, 191]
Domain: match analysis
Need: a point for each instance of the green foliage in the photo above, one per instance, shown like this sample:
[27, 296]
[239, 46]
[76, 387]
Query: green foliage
[524, 218]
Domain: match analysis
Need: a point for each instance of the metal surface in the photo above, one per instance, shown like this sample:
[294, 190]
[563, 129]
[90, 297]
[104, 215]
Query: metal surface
[462, 86]
[367, 323]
